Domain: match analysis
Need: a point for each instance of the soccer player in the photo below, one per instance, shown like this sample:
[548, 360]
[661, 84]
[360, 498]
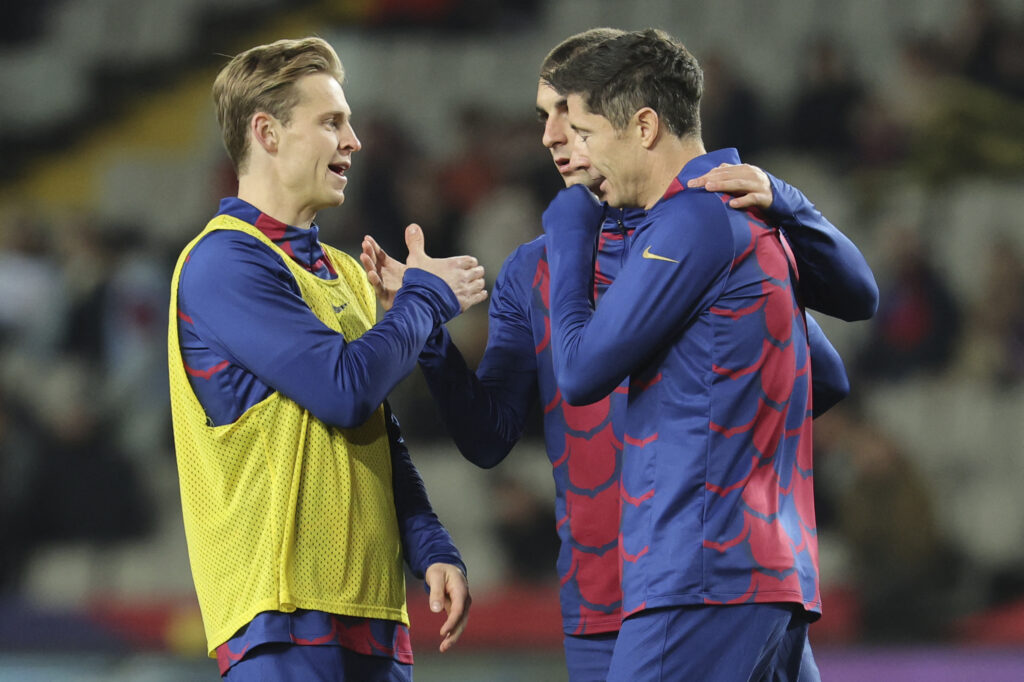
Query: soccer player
[300, 500]
[486, 412]
[705, 317]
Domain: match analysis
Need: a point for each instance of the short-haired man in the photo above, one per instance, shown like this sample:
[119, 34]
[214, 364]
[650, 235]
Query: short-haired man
[299, 497]
[486, 411]
[705, 317]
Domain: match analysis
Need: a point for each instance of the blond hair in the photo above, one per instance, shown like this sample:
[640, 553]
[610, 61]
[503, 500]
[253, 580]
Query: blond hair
[263, 79]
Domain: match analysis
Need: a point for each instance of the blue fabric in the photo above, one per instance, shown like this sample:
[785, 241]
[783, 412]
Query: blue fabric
[742, 643]
[835, 279]
[717, 492]
[485, 412]
[588, 656]
[239, 306]
[274, 662]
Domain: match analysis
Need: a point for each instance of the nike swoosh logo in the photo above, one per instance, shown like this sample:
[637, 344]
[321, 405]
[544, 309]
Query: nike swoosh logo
[653, 256]
[339, 308]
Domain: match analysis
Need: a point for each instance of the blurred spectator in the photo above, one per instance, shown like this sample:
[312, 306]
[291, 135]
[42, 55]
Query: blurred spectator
[917, 325]
[994, 351]
[472, 172]
[385, 183]
[826, 103]
[19, 467]
[904, 572]
[731, 111]
[85, 488]
[33, 303]
[989, 48]
[525, 526]
[880, 139]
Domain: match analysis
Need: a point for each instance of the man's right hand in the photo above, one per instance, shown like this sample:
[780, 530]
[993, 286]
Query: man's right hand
[462, 274]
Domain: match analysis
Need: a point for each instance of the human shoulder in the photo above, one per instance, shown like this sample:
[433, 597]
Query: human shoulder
[226, 257]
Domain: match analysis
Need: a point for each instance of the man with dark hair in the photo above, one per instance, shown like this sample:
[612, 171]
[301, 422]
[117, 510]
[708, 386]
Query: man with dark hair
[705, 319]
[486, 411]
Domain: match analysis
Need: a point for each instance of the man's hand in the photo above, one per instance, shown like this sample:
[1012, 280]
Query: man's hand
[574, 205]
[462, 273]
[749, 185]
[383, 272]
[449, 590]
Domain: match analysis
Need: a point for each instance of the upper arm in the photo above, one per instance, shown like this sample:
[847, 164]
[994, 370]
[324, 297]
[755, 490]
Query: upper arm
[835, 278]
[829, 382]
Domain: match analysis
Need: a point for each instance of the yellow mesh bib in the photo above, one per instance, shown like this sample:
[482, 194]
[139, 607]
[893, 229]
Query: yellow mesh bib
[283, 511]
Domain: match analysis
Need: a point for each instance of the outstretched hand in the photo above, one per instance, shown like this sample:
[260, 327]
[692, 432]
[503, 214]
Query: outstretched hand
[383, 272]
[449, 590]
[462, 274]
[749, 185]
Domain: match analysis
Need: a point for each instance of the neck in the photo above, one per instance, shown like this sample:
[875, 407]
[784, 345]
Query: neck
[668, 158]
[264, 192]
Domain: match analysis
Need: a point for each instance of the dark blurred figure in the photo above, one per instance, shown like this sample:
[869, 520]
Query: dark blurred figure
[525, 526]
[995, 350]
[904, 572]
[19, 467]
[731, 111]
[917, 325]
[85, 488]
[385, 181]
[827, 102]
[990, 48]
[24, 21]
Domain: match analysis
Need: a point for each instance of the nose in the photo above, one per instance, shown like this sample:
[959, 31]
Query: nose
[554, 132]
[349, 142]
[578, 159]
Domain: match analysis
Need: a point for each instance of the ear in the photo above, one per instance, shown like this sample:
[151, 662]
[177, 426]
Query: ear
[264, 131]
[647, 126]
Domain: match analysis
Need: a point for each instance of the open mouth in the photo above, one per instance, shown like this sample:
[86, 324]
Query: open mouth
[562, 164]
[338, 168]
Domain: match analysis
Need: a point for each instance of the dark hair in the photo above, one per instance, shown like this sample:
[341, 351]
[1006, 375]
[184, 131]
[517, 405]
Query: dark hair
[618, 76]
[573, 45]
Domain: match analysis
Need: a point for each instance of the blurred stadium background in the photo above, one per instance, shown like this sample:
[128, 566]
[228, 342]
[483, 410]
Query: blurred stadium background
[903, 121]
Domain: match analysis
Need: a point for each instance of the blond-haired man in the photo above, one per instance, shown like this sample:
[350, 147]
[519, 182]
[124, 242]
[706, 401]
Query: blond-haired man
[299, 497]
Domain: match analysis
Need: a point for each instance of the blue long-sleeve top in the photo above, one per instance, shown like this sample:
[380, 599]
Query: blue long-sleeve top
[705, 319]
[486, 411]
[246, 332]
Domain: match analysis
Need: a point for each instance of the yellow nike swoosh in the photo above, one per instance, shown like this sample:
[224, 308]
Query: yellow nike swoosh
[653, 256]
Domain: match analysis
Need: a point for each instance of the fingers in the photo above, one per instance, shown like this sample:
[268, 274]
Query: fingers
[435, 582]
[469, 287]
[457, 605]
[367, 262]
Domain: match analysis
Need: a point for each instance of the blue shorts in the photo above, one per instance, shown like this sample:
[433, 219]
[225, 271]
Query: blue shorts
[744, 642]
[279, 662]
[588, 656]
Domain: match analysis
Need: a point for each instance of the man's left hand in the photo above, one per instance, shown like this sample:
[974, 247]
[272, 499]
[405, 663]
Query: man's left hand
[749, 185]
[449, 590]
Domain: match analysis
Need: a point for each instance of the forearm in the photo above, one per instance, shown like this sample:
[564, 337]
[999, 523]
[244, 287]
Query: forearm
[829, 382]
[484, 419]
[425, 540]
